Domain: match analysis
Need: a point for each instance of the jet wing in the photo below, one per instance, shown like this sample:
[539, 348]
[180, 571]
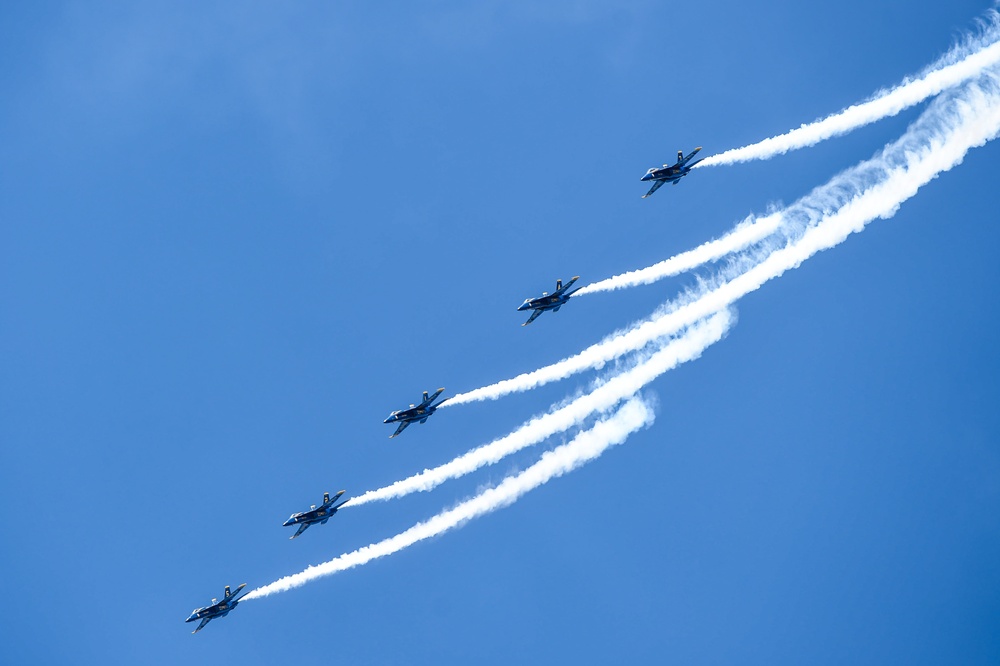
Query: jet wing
[333, 500]
[302, 528]
[683, 161]
[431, 399]
[401, 428]
[533, 317]
[566, 286]
[656, 185]
[202, 625]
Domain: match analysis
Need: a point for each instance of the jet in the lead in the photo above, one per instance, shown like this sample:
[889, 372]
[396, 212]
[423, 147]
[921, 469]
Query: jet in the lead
[419, 413]
[548, 301]
[216, 609]
[315, 514]
[670, 174]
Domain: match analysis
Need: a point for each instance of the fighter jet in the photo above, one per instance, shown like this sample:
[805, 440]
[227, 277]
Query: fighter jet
[548, 301]
[670, 174]
[217, 609]
[314, 515]
[419, 412]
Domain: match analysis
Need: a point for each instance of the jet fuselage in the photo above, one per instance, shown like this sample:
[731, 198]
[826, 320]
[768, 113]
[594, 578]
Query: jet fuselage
[543, 303]
[668, 174]
[411, 414]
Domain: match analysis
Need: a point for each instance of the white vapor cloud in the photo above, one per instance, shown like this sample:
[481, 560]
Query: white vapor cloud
[936, 142]
[586, 446]
[964, 62]
[746, 233]
[959, 120]
[671, 353]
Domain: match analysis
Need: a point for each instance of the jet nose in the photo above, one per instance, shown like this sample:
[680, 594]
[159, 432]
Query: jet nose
[290, 521]
[648, 176]
[389, 420]
[523, 306]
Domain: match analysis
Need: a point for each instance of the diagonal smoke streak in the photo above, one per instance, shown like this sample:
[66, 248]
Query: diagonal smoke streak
[936, 142]
[671, 354]
[586, 446]
[750, 231]
[965, 61]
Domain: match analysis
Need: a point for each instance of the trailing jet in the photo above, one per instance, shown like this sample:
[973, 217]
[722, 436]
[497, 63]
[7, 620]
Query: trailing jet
[421, 412]
[548, 301]
[314, 515]
[670, 174]
[217, 609]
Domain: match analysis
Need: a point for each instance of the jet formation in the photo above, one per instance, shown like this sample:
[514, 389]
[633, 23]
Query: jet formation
[315, 515]
[420, 413]
[670, 174]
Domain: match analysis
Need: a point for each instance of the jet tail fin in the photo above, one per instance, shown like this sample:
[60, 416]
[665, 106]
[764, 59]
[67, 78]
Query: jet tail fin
[680, 156]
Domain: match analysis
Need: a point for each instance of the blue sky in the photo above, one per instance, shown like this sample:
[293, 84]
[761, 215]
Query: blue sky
[233, 237]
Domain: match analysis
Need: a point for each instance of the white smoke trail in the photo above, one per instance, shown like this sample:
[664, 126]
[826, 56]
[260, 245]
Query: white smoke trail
[935, 143]
[746, 233]
[964, 62]
[671, 354]
[586, 446]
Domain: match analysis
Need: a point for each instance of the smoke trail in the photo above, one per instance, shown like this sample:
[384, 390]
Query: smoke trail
[671, 354]
[964, 62]
[585, 447]
[935, 143]
[746, 233]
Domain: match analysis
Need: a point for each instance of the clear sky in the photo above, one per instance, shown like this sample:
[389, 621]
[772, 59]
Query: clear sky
[235, 236]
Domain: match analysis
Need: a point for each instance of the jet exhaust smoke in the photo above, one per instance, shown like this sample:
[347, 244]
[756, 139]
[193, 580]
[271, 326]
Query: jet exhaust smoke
[933, 144]
[959, 120]
[964, 62]
[672, 353]
[586, 446]
[746, 233]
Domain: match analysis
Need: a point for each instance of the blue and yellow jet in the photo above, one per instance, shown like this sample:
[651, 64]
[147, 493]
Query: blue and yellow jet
[216, 609]
[670, 174]
[315, 514]
[548, 301]
[419, 413]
